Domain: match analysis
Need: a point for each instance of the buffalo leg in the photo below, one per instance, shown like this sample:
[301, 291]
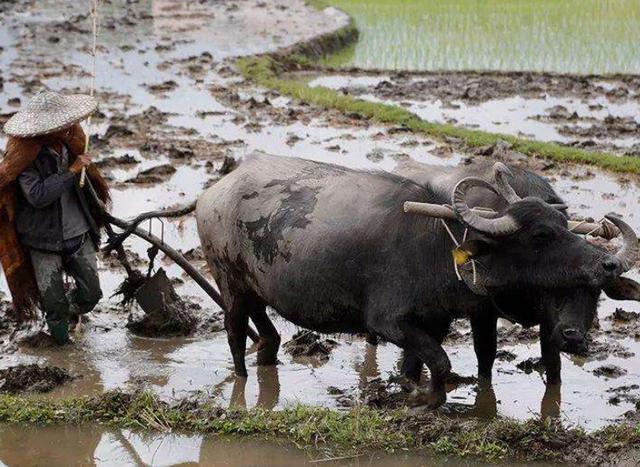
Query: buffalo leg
[269, 342]
[416, 341]
[483, 327]
[550, 354]
[411, 367]
[236, 323]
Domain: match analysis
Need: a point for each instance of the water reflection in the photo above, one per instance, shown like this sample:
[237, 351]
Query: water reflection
[550, 406]
[268, 389]
[368, 369]
[486, 404]
[64, 446]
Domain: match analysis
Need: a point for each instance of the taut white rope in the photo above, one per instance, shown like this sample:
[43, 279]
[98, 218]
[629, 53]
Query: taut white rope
[94, 20]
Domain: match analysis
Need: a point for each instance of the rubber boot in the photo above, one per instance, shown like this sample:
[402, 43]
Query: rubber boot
[59, 330]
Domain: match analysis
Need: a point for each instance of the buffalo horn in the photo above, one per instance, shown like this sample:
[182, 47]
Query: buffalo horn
[629, 251]
[500, 173]
[500, 226]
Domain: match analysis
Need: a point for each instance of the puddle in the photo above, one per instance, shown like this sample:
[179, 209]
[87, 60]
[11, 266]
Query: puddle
[63, 446]
[227, 118]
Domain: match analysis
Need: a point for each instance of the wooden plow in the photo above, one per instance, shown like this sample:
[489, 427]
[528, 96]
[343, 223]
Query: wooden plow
[161, 284]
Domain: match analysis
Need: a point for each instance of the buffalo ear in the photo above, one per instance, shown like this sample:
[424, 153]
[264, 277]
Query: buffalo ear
[478, 246]
[623, 289]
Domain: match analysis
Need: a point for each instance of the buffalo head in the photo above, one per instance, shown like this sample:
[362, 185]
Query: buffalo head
[528, 244]
[567, 312]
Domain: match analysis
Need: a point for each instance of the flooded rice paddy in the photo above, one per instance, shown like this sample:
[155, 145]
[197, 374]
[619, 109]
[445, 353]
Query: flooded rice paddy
[171, 98]
[568, 36]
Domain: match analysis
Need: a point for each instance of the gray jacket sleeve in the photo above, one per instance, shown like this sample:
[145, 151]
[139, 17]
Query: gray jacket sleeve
[40, 192]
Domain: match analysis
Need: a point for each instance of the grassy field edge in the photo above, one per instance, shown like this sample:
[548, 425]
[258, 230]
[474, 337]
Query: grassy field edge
[330, 432]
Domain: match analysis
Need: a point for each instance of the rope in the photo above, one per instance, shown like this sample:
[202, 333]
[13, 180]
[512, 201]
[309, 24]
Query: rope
[607, 228]
[83, 173]
[94, 21]
[455, 242]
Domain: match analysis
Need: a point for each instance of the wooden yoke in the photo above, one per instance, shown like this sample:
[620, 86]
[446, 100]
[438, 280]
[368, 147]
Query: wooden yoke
[605, 229]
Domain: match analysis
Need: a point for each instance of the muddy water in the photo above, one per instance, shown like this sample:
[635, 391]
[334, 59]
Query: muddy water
[208, 103]
[573, 36]
[99, 447]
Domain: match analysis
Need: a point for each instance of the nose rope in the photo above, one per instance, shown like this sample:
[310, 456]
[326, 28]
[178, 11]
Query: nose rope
[455, 242]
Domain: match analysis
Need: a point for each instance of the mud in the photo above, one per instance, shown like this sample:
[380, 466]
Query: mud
[531, 364]
[484, 86]
[308, 344]
[32, 378]
[609, 371]
[591, 112]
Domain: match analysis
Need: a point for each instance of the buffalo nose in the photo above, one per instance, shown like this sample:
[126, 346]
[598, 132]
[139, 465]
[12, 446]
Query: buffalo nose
[572, 335]
[611, 265]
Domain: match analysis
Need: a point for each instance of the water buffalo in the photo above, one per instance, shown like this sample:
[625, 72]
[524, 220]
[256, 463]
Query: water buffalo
[330, 249]
[565, 315]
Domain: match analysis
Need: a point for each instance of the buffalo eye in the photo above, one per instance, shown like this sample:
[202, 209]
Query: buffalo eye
[543, 237]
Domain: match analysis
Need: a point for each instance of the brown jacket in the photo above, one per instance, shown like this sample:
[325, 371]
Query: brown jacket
[20, 154]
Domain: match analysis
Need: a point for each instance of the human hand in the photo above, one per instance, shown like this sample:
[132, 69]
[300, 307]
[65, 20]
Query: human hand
[82, 161]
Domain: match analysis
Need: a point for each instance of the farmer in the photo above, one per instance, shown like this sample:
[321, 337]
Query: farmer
[46, 223]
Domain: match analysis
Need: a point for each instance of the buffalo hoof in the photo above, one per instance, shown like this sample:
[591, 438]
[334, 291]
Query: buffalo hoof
[428, 399]
[407, 384]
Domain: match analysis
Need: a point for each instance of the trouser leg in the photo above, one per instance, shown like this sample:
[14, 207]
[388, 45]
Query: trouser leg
[83, 267]
[48, 270]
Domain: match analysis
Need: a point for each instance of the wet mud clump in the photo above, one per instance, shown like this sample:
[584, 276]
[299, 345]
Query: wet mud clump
[38, 340]
[32, 378]
[309, 344]
[165, 313]
[379, 393]
[530, 365]
[625, 316]
[156, 174]
[610, 371]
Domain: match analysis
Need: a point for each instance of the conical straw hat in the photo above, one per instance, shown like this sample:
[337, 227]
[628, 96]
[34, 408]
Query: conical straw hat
[48, 112]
